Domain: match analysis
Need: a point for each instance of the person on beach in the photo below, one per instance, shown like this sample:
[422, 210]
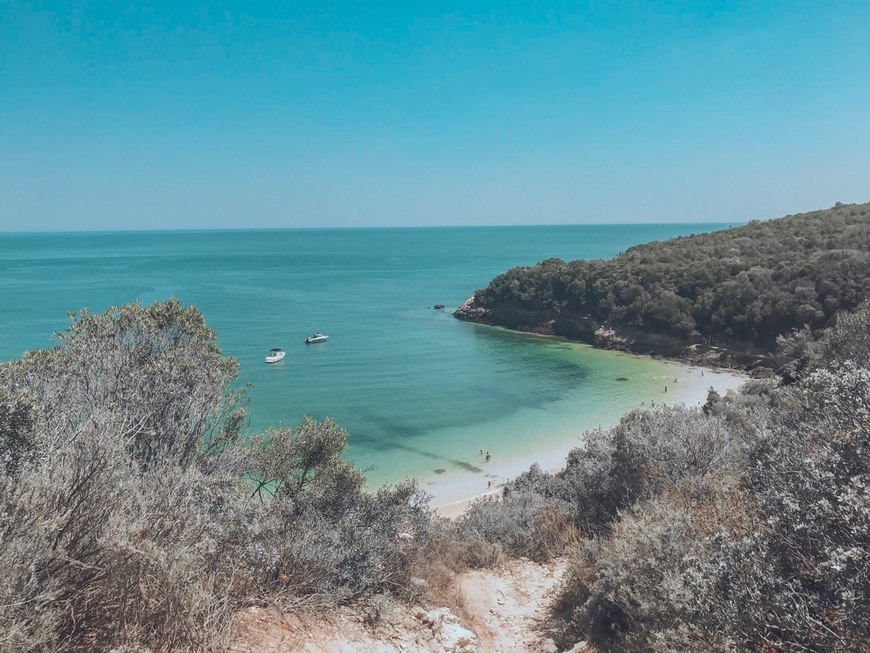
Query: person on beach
[487, 456]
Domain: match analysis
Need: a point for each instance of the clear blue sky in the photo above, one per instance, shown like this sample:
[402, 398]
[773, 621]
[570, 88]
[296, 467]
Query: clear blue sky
[132, 115]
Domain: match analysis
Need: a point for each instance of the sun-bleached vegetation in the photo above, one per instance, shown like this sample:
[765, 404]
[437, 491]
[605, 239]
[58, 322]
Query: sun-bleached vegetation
[134, 514]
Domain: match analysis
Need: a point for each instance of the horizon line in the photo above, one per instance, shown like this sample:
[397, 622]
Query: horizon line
[186, 230]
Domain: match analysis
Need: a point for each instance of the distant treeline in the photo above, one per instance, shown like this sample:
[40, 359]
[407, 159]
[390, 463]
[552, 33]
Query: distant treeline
[739, 287]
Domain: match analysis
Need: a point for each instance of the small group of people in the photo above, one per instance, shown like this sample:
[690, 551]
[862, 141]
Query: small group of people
[487, 455]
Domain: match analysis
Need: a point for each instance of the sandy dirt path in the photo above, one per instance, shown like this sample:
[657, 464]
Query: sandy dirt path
[507, 605]
[501, 610]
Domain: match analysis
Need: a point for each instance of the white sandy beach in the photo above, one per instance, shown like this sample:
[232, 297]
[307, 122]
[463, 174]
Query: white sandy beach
[452, 492]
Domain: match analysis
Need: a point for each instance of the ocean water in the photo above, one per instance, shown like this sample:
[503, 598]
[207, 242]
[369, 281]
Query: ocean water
[419, 392]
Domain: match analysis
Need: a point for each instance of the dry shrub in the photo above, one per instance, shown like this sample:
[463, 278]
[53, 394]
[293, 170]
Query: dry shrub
[376, 609]
[522, 524]
[162, 559]
[126, 518]
[767, 554]
[557, 528]
[457, 602]
[573, 594]
[441, 557]
[635, 589]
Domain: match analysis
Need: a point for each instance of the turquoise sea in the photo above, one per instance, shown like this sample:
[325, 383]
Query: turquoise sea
[419, 392]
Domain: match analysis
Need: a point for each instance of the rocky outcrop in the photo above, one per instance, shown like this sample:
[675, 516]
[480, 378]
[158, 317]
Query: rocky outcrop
[447, 631]
[508, 316]
[607, 338]
[468, 312]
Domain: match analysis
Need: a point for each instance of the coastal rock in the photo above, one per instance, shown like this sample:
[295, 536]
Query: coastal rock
[457, 639]
[440, 616]
[452, 636]
[468, 312]
[438, 307]
[607, 338]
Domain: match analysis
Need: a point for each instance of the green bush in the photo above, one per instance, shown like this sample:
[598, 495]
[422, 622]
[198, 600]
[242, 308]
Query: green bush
[739, 287]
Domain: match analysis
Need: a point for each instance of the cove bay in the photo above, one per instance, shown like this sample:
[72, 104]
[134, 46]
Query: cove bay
[420, 393]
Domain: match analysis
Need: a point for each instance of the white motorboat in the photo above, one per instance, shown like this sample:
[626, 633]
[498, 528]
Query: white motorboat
[317, 337]
[275, 355]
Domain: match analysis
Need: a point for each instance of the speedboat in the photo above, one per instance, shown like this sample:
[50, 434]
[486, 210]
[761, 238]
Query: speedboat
[275, 355]
[317, 337]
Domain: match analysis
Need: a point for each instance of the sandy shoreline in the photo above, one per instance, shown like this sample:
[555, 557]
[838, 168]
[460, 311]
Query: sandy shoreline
[454, 491]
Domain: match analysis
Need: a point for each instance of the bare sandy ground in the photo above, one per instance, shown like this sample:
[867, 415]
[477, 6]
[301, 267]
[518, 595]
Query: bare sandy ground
[499, 611]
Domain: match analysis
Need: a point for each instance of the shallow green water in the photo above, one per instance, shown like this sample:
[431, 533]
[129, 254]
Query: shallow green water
[416, 389]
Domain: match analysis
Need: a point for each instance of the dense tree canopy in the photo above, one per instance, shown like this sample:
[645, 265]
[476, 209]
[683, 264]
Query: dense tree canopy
[742, 286]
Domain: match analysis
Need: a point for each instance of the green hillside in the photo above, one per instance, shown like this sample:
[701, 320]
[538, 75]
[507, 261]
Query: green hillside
[741, 287]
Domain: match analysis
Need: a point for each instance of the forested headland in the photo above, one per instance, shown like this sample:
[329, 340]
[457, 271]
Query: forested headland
[736, 289]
